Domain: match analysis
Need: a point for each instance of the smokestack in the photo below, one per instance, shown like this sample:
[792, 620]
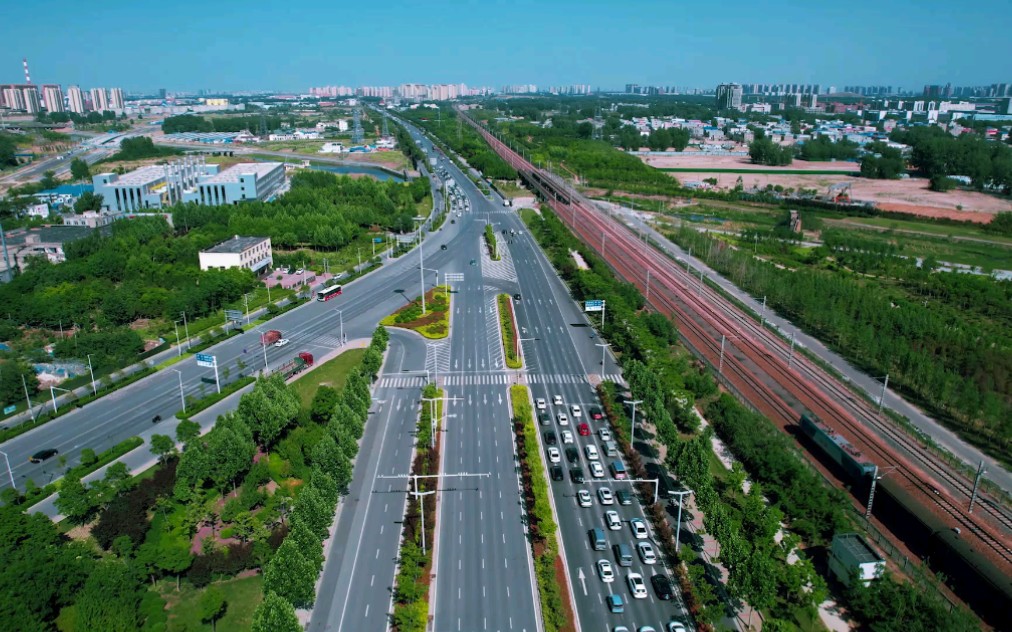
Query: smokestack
[28, 79]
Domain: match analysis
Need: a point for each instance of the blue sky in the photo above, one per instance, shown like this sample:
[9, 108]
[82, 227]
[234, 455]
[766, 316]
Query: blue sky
[231, 45]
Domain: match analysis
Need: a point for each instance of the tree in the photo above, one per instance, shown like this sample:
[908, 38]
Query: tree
[79, 169]
[109, 600]
[764, 151]
[162, 446]
[323, 404]
[269, 408]
[291, 575]
[88, 457]
[275, 614]
[187, 431]
[943, 183]
[882, 162]
[49, 180]
[75, 501]
[212, 606]
[89, 201]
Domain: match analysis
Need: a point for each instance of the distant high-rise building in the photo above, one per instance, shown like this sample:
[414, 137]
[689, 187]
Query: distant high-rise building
[75, 100]
[99, 101]
[33, 105]
[729, 96]
[792, 100]
[53, 96]
[161, 93]
[13, 98]
[116, 98]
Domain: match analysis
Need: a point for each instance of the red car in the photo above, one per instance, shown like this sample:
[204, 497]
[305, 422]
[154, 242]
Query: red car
[583, 429]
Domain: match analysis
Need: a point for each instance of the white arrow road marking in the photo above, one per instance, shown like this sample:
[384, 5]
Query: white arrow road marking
[583, 581]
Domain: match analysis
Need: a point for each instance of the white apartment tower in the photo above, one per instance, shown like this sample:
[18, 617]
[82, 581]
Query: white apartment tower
[99, 101]
[75, 100]
[53, 96]
[32, 103]
[116, 98]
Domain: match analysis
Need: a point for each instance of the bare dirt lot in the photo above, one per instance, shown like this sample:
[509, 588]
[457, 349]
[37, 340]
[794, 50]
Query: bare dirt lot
[690, 160]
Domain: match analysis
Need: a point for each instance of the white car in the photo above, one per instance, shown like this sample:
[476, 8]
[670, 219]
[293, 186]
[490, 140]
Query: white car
[557, 400]
[596, 469]
[541, 403]
[605, 434]
[300, 271]
[584, 498]
[612, 521]
[282, 342]
[563, 419]
[554, 456]
[605, 496]
[577, 412]
[605, 571]
[591, 452]
[636, 586]
[647, 552]
[639, 528]
[675, 626]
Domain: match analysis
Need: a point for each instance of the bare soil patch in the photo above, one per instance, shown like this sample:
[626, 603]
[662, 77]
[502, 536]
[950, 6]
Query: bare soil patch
[690, 160]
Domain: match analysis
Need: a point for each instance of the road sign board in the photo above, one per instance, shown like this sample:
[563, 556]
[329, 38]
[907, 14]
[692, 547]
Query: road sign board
[205, 359]
[233, 314]
[593, 306]
[377, 240]
[9, 409]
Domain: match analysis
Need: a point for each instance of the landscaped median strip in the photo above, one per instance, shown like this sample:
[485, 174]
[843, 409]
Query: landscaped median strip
[508, 328]
[435, 323]
[556, 603]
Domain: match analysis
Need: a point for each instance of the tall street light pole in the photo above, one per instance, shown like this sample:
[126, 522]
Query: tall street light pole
[182, 398]
[186, 328]
[94, 389]
[632, 428]
[340, 315]
[10, 472]
[175, 327]
[678, 524]
[604, 347]
[419, 494]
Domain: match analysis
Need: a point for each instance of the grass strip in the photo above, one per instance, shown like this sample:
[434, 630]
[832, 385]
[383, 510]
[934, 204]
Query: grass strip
[508, 327]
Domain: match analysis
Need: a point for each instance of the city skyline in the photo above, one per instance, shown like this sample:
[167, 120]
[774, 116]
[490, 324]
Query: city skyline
[595, 43]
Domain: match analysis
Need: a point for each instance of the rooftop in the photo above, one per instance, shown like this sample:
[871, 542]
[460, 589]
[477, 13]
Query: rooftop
[259, 169]
[237, 244]
[68, 189]
[856, 546]
[141, 176]
[48, 234]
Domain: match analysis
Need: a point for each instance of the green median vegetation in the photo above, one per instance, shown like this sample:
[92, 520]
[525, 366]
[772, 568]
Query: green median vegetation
[434, 323]
[556, 608]
[490, 243]
[508, 328]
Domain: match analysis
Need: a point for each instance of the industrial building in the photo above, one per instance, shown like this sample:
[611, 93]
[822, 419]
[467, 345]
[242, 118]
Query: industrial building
[242, 182]
[252, 253]
[851, 557]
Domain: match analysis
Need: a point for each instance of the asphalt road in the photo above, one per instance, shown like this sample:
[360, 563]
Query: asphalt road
[356, 587]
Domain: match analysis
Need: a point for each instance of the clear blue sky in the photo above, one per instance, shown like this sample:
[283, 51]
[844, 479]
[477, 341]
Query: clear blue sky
[231, 45]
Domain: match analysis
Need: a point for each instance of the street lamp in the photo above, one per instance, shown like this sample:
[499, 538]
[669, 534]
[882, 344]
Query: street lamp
[10, 472]
[421, 495]
[175, 327]
[94, 389]
[604, 347]
[181, 397]
[428, 379]
[186, 328]
[421, 263]
[52, 393]
[340, 314]
[678, 524]
[632, 428]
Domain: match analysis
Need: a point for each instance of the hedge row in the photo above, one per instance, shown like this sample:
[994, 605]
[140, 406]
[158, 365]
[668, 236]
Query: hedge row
[507, 324]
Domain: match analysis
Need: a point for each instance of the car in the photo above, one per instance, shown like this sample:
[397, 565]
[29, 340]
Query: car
[612, 521]
[646, 552]
[605, 571]
[595, 413]
[541, 404]
[596, 469]
[572, 455]
[550, 438]
[636, 585]
[605, 434]
[591, 452]
[544, 419]
[557, 400]
[646, 628]
[453, 221]
[42, 455]
[576, 410]
[567, 436]
[639, 528]
[584, 499]
[620, 628]
[472, 261]
[605, 496]
[443, 247]
[615, 604]
[624, 496]
[282, 342]
[563, 419]
[662, 586]
[576, 475]
[300, 271]
[516, 297]
[156, 419]
[583, 429]
[556, 473]
[676, 626]
[553, 455]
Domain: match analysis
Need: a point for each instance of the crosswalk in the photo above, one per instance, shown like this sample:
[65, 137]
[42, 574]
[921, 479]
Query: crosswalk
[492, 379]
[437, 356]
[502, 269]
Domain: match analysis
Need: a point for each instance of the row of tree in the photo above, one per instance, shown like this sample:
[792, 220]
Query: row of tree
[936, 153]
[764, 151]
[822, 148]
[197, 123]
[464, 140]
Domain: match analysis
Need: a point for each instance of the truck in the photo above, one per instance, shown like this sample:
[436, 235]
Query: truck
[433, 161]
[296, 365]
[270, 337]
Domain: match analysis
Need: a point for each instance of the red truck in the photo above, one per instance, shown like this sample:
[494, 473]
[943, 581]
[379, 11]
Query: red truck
[269, 338]
[296, 365]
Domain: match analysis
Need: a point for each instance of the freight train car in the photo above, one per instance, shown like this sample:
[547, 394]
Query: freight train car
[837, 448]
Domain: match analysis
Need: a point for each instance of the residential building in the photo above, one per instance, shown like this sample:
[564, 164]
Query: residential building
[116, 99]
[13, 98]
[242, 182]
[252, 253]
[37, 210]
[151, 187]
[75, 100]
[729, 96]
[91, 219]
[45, 241]
[53, 96]
[99, 101]
[63, 195]
[33, 105]
[851, 557]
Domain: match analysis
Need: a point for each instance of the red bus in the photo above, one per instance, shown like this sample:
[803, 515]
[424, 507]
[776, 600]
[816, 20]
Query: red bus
[328, 293]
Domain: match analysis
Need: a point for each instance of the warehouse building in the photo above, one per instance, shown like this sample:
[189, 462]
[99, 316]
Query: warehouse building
[252, 253]
[852, 558]
[239, 183]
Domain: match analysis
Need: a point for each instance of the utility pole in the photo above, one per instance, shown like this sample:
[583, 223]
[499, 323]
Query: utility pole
[632, 427]
[875, 477]
[28, 399]
[723, 339]
[882, 397]
[186, 328]
[94, 389]
[420, 494]
[648, 286]
[790, 358]
[981, 470]
[678, 523]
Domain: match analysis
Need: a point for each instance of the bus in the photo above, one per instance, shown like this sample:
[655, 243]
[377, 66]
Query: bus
[328, 293]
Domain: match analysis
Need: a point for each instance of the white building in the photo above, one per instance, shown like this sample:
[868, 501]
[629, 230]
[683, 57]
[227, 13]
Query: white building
[32, 103]
[37, 210]
[252, 253]
[851, 557]
[151, 187]
[53, 96]
[116, 98]
[99, 101]
[332, 148]
[75, 100]
[91, 219]
[239, 183]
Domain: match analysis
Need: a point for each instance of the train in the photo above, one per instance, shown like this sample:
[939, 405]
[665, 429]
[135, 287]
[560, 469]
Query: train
[973, 577]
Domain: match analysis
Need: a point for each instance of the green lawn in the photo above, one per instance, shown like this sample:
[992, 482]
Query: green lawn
[242, 597]
[793, 172]
[927, 227]
[333, 373]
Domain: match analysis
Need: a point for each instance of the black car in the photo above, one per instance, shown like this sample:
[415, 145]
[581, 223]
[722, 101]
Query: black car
[42, 455]
[556, 473]
[156, 419]
[624, 496]
[443, 247]
[662, 586]
[550, 438]
[516, 297]
[576, 474]
[572, 455]
[544, 419]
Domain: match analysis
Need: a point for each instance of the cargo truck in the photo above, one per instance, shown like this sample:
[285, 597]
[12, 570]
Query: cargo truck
[270, 337]
[296, 365]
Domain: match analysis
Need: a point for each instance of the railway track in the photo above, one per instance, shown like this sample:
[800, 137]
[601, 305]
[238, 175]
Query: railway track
[705, 315]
